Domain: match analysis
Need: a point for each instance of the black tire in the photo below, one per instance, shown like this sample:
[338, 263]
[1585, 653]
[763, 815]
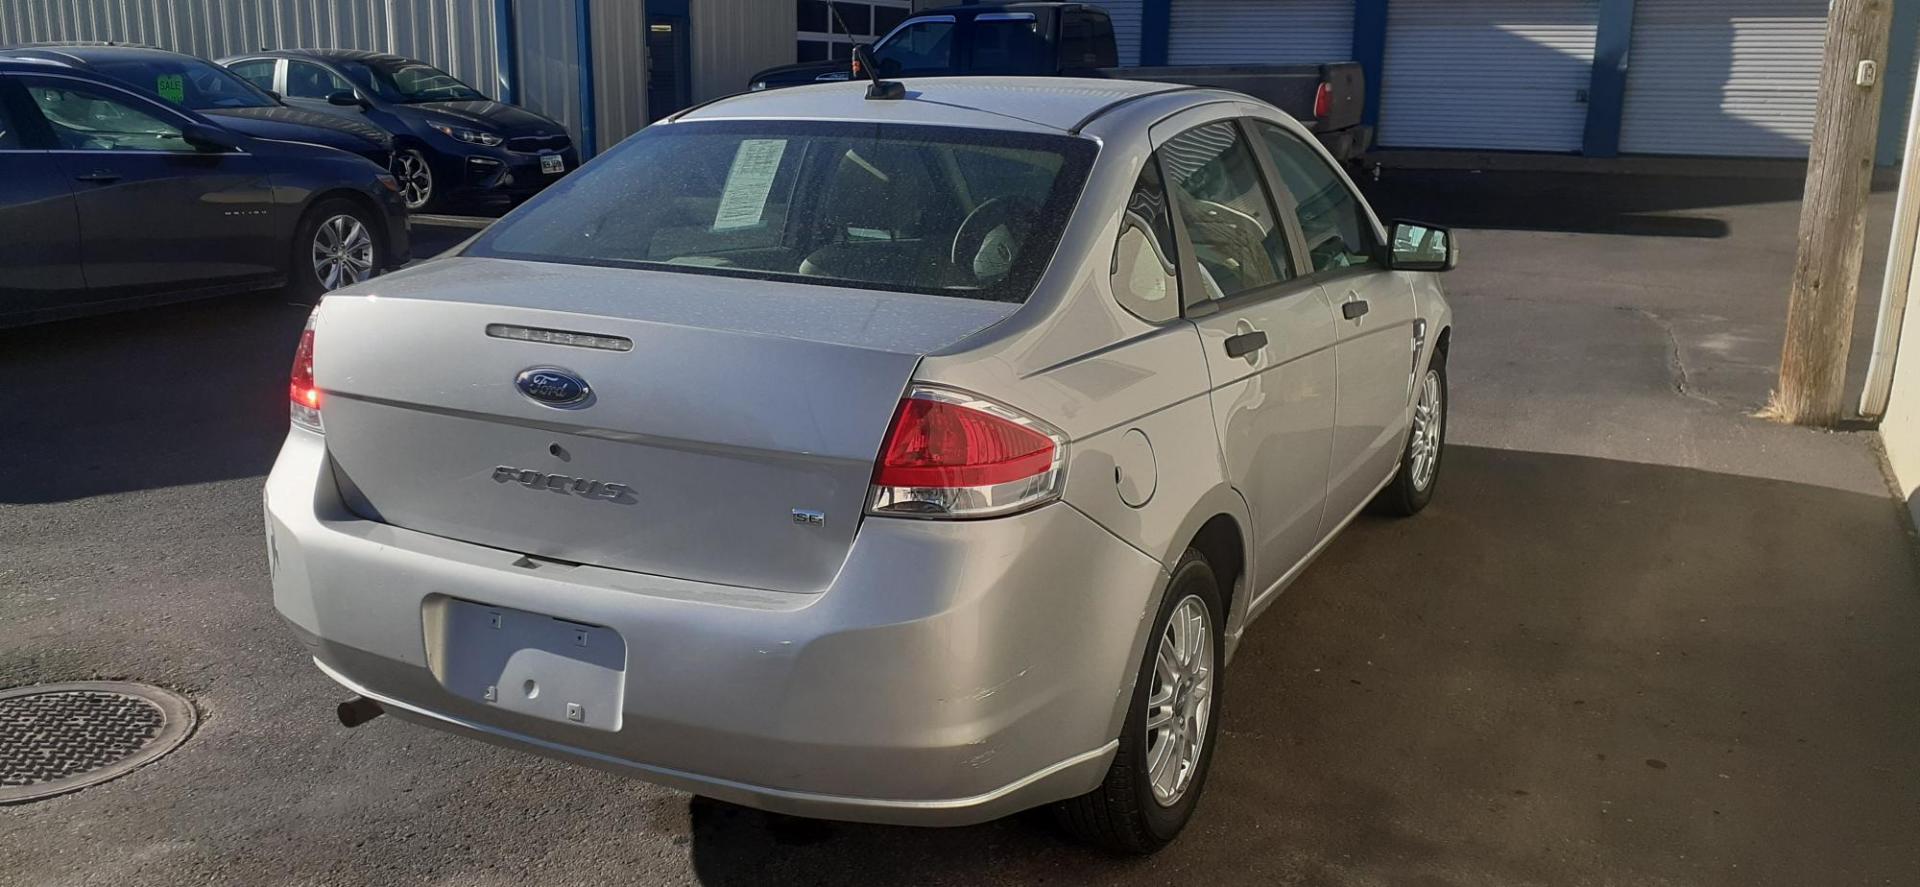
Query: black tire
[303, 281]
[1405, 495]
[1123, 815]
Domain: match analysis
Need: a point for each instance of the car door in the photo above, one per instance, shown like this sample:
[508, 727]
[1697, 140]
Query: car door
[156, 214]
[40, 252]
[1266, 329]
[1375, 315]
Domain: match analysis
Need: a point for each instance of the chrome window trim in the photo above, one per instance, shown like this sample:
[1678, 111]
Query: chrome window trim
[1005, 17]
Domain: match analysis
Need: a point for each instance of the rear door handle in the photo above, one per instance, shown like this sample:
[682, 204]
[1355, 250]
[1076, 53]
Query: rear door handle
[1353, 309]
[1246, 343]
[100, 175]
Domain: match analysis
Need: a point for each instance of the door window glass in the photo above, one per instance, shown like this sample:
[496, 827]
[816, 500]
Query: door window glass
[85, 118]
[1238, 241]
[1009, 44]
[10, 136]
[258, 72]
[922, 47]
[1337, 231]
[309, 81]
[1144, 274]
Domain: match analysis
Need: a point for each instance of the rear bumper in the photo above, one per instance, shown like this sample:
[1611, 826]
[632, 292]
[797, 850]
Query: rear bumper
[953, 673]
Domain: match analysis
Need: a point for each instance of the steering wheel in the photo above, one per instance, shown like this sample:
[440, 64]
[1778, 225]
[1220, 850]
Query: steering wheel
[989, 239]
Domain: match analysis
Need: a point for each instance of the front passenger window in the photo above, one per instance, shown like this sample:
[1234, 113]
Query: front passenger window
[1145, 277]
[1338, 232]
[310, 81]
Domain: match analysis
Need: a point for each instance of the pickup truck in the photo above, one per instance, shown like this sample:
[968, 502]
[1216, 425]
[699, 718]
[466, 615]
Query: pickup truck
[1069, 39]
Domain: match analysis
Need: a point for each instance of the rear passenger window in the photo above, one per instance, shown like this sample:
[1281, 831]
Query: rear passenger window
[1337, 231]
[1144, 275]
[258, 72]
[310, 81]
[1238, 242]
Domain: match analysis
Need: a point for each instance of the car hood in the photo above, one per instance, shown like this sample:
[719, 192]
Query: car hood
[292, 124]
[803, 72]
[505, 119]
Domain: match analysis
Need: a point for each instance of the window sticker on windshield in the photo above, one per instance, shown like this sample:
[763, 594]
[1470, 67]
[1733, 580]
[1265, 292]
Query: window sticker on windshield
[172, 87]
[749, 182]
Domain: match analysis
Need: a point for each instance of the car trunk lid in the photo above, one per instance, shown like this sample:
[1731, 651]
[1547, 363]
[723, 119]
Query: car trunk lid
[732, 441]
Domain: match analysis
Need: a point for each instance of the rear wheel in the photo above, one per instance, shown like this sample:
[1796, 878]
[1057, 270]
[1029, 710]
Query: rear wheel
[1166, 744]
[1412, 486]
[337, 245]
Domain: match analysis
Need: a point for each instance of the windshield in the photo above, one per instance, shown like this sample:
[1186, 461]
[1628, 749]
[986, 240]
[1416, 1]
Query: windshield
[957, 212]
[187, 82]
[404, 80]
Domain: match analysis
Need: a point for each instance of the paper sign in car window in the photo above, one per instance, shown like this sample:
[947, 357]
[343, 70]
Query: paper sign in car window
[749, 182]
[172, 87]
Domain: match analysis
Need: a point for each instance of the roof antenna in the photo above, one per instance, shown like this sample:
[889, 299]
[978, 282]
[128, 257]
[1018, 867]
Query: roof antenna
[891, 90]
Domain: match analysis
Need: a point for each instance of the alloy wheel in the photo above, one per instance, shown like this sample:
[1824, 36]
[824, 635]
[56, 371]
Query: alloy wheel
[342, 252]
[1180, 700]
[416, 177]
[1427, 422]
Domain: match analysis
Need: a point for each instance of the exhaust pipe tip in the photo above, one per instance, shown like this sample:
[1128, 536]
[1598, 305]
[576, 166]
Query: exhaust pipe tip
[357, 711]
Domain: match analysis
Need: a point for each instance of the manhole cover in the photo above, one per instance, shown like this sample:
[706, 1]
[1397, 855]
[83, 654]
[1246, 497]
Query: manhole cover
[57, 738]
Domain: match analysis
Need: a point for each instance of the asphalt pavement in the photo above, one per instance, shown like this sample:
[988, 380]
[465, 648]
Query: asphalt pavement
[1639, 638]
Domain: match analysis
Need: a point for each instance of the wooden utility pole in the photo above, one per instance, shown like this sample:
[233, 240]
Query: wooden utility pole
[1826, 277]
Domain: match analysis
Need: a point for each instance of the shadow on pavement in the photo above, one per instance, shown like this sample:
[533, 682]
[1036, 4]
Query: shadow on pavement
[155, 397]
[1598, 203]
[1568, 670]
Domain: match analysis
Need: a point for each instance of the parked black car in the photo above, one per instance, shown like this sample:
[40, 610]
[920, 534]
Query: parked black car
[200, 85]
[112, 196]
[454, 147]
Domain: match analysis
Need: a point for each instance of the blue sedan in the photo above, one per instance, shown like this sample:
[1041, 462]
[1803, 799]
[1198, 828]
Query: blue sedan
[454, 148]
[114, 196]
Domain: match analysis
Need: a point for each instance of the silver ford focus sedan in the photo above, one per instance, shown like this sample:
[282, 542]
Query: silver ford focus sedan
[909, 461]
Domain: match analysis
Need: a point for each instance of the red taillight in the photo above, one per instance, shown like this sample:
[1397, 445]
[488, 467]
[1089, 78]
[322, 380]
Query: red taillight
[950, 454]
[301, 389]
[1323, 101]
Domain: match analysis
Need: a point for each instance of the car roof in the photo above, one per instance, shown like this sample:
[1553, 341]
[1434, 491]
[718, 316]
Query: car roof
[1014, 6]
[1028, 104]
[327, 55]
[80, 54]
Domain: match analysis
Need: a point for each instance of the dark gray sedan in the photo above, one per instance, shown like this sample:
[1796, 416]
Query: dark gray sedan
[114, 196]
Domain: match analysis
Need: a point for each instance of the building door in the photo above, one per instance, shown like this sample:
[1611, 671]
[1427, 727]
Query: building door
[1490, 74]
[1260, 32]
[669, 76]
[1724, 77]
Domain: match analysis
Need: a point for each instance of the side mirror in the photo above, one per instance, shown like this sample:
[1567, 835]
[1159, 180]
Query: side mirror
[345, 98]
[209, 139]
[1418, 246]
[273, 95]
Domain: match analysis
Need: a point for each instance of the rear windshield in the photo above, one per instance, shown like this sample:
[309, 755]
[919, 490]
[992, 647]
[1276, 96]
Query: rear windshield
[947, 211]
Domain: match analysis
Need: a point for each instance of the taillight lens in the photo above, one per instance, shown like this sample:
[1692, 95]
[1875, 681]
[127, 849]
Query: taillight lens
[300, 389]
[1323, 101]
[951, 454]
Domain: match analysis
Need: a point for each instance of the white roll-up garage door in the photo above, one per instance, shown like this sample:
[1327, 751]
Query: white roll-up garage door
[1126, 27]
[1496, 74]
[1726, 77]
[1274, 32]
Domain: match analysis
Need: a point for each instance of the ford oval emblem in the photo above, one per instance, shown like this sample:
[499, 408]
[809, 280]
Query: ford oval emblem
[553, 386]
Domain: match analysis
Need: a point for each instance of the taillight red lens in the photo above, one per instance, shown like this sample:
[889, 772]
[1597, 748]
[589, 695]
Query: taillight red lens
[300, 388]
[1323, 101]
[938, 444]
[950, 454]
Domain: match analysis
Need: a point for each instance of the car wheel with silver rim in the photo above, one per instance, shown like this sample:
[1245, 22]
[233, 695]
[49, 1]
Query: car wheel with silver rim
[1412, 486]
[1160, 767]
[415, 175]
[337, 244]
